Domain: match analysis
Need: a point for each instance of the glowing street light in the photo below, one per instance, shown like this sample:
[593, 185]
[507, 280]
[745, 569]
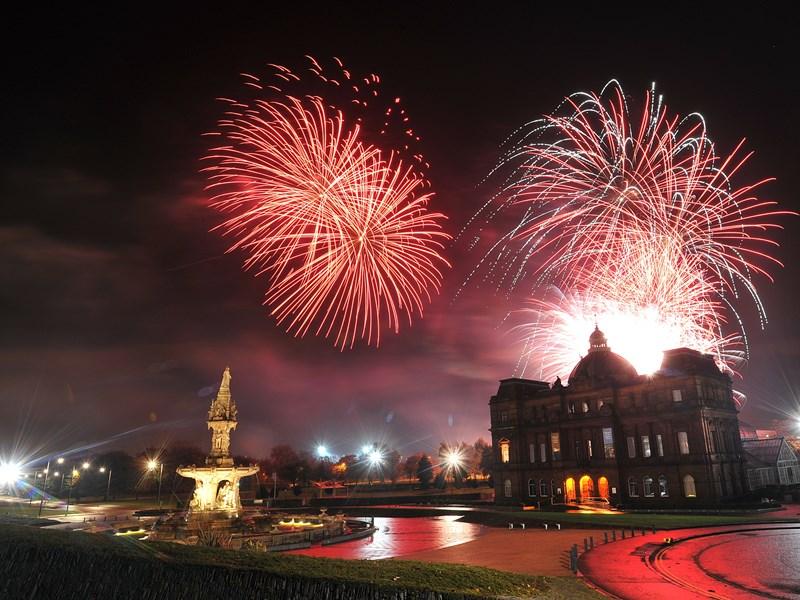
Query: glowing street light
[152, 465]
[10, 472]
[60, 460]
[375, 458]
[322, 451]
[365, 449]
[85, 466]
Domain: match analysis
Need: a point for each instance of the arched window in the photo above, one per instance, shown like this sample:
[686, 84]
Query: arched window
[507, 488]
[647, 486]
[585, 407]
[532, 488]
[542, 487]
[633, 489]
[688, 487]
[663, 488]
[505, 450]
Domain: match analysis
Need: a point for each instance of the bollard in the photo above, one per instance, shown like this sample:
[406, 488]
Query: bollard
[623, 533]
[585, 545]
[654, 529]
[633, 532]
[522, 525]
[605, 537]
[511, 526]
[573, 558]
[545, 526]
[591, 541]
[613, 535]
[558, 525]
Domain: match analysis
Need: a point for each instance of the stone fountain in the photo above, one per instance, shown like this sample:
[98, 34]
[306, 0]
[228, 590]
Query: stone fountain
[216, 491]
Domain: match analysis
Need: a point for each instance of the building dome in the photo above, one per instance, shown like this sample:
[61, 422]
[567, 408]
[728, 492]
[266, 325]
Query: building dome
[601, 365]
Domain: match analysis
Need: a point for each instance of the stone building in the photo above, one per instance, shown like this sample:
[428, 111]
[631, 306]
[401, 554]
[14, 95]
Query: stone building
[670, 439]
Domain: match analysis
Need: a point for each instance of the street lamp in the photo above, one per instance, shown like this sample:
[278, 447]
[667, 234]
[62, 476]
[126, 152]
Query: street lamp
[151, 466]
[108, 482]
[75, 473]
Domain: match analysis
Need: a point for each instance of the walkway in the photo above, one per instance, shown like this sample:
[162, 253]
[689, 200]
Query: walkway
[529, 551]
[733, 562]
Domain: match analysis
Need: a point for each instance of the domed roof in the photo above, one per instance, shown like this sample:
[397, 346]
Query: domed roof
[601, 365]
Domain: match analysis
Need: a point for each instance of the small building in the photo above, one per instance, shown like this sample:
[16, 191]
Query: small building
[771, 462]
[670, 439]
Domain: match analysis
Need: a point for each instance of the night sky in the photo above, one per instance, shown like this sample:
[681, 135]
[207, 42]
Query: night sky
[120, 310]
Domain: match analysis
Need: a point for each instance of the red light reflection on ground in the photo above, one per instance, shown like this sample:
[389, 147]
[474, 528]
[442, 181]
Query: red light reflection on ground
[400, 536]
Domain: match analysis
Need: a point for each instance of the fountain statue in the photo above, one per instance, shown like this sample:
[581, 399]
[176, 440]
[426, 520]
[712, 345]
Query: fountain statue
[217, 483]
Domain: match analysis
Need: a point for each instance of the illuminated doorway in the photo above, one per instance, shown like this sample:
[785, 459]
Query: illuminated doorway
[602, 487]
[569, 486]
[587, 487]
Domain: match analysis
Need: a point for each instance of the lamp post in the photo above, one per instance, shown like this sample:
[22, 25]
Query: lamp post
[108, 482]
[44, 488]
[74, 474]
[60, 461]
[151, 466]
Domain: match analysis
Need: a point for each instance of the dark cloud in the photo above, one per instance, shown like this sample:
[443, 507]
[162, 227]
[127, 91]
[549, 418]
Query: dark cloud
[120, 308]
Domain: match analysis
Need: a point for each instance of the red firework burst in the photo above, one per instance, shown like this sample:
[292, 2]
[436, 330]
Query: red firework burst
[341, 229]
[639, 220]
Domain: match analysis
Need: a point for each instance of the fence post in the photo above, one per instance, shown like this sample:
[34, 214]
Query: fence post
[605, 537]
[613, 535]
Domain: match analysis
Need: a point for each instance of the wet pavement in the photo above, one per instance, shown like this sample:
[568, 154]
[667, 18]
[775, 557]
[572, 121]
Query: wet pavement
[733, 562]
[402, 536]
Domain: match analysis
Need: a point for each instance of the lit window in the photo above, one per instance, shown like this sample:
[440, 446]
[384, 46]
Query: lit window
[505, 451]
[608, 442]
[631, 447]
[677, 396]
[555, 445]
[688, 487]
[532, 487]
[663, 489]
[532, 452]
[647, 486]
[659, 445]
[542, 488]
[504, 417]
[633, 490]
[646, 446]
[507, 488]
[543, 452]
[683, 442]
[589, 448]
[585, 407]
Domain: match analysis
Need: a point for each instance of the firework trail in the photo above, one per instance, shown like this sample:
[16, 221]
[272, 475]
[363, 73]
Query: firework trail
[340, 227]
[639, 224]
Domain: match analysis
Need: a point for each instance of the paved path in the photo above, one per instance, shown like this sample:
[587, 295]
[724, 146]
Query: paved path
[732, 562]
[529, 551]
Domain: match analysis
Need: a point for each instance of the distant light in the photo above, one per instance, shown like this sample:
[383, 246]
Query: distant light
[375, 457]
[102, 469]
[56, 474]
[322, 451]
[60, 460]
[75, 472]
[10, 472]
[454, 459]
[86, 465]
[365, 449]
[152, 465]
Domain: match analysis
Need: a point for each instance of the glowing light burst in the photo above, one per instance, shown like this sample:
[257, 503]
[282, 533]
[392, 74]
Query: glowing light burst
[638, 222]
[340, 227]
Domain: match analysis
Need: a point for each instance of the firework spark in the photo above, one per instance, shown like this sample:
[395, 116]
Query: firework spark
[341, 228]
[639, 223]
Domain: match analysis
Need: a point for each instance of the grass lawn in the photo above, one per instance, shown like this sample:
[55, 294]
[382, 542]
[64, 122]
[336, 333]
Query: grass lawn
[611, 521]
[81, 565]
